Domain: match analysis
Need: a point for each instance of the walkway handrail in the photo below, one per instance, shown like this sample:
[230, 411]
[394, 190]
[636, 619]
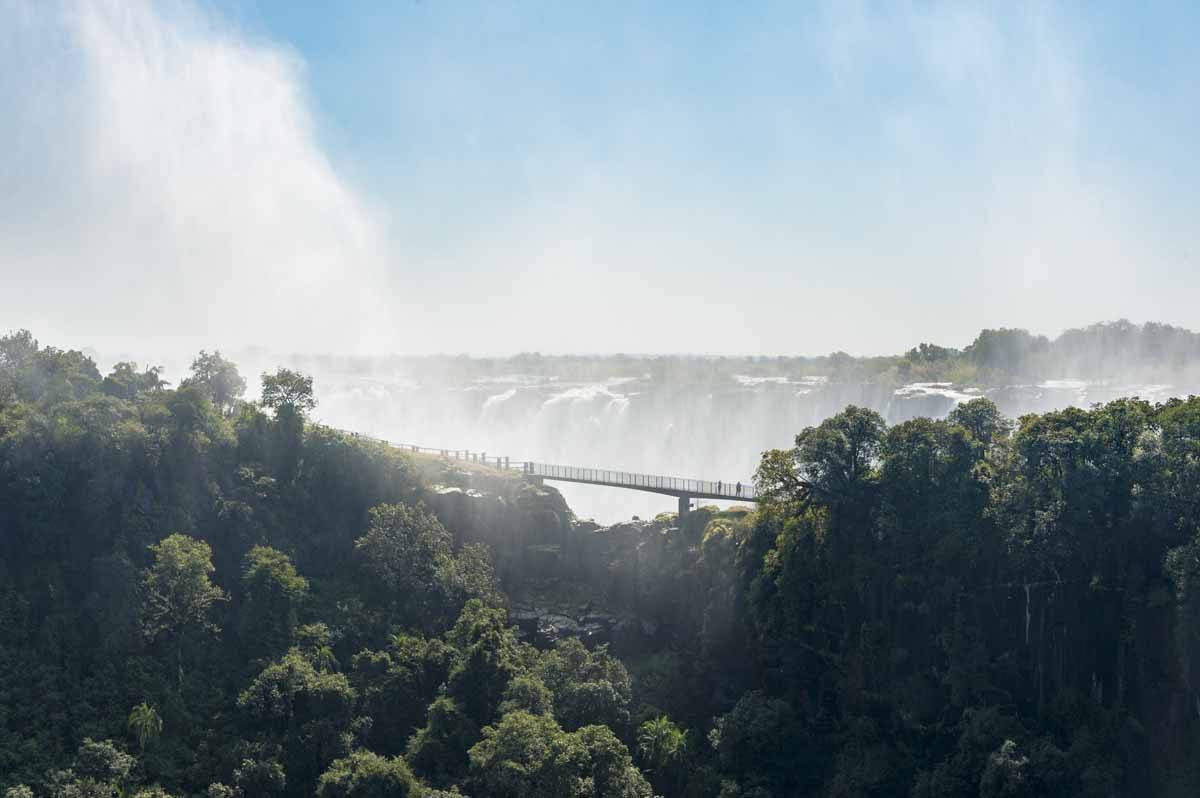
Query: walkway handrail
[654, 483]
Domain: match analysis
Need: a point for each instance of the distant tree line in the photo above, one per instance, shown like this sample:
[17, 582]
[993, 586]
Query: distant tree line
[1119, 350]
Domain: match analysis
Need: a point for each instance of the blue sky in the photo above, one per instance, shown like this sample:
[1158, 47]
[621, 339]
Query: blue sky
[746, 178]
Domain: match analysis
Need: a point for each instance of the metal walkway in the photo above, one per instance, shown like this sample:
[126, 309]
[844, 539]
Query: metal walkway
[686, 490]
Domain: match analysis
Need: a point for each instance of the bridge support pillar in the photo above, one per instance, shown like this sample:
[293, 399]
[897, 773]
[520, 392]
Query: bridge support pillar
[685, 506]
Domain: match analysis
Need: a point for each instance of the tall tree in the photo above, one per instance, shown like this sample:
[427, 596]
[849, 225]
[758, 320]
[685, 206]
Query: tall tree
[273, 592]
[179, 594]
[145, 723]
[290, 394]
[220, 377]
[288, 391]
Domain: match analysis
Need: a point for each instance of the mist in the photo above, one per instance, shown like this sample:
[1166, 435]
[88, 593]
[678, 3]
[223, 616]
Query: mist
[712, 417]
[181, 175]
[164, 187]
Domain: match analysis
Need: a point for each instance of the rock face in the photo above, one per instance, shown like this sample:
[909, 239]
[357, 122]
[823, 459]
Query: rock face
[525, 525]
[617, 584]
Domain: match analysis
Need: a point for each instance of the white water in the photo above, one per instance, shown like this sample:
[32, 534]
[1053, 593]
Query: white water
[711, 430]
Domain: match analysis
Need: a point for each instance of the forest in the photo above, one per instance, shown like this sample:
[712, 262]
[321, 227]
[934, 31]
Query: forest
[204, 595]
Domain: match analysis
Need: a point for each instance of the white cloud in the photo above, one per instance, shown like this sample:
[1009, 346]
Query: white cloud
[164, 187]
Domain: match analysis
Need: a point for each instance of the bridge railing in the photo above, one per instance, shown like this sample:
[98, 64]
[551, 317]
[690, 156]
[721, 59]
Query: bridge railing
[653, 482]
[733, 491]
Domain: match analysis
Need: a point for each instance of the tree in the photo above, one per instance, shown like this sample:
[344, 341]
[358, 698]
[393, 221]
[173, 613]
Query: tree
[530, 756]
[220, 377]
[288, 392]
[405, 554]
[438, 751]
[527, 693]
[488, 659]
[1005, 774]
[982, 419]
[261, 773]
[607, 766]
[397, 685]
[660, 742]
[830, 464]
[306, 713]
[127, 383]
[758, 741]
[525, 756]
[588, 686]
[179, 595]
[101, 770]
[273, 592]
[145, 723]
[367, 775]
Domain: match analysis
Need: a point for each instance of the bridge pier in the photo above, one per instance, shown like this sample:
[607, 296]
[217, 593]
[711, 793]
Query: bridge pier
[685, 506]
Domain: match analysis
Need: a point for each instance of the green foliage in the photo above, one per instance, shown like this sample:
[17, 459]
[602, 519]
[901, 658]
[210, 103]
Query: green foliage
[145, 723]
[588, 686]
[179, 596]
[367, 775]
[438, 751]
[273, 593]
[220, 378]
[289, 392]
[127, 383]
[527, 693]
[152, 792]
[660, 742]
[304, 712]
[483, 671]
[404, 555]
[525, 756]
[397, 685]
[939, 608]
[761, 743]
[529, 756]
[100, 771]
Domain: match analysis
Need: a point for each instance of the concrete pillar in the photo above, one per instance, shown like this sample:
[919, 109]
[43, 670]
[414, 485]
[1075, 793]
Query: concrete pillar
[685, 505]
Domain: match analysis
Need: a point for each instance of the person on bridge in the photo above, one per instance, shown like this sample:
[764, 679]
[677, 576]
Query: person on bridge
[718, 486]
[739, 489]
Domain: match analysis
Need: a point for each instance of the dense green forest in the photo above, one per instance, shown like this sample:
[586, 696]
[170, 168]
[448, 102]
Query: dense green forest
[206, 596]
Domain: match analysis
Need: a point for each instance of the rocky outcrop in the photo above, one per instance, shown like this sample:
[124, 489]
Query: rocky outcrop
[622, 584]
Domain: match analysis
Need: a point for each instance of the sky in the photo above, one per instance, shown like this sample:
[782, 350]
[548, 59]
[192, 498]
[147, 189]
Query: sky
[499, 177]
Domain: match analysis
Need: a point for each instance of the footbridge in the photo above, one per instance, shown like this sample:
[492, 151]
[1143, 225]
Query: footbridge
[684, 489]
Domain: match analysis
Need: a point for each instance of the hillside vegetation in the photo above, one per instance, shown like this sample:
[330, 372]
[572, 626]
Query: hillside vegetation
[203, 596]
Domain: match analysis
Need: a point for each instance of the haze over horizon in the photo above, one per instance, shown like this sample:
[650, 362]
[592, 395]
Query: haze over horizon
[421, 178]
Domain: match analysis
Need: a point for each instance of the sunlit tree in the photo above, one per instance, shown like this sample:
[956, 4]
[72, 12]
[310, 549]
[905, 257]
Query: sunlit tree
[145, 723]
[179, 594]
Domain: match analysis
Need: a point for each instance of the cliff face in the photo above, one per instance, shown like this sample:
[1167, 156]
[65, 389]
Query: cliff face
[621, 584]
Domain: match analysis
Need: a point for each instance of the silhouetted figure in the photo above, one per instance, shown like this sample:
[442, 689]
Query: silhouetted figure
[739, 489]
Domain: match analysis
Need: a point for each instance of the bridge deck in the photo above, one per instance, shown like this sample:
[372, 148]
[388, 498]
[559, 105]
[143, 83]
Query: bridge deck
[652, 483]
[679, 487]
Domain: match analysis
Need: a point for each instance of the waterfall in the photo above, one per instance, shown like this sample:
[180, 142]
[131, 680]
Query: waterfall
[691, 425]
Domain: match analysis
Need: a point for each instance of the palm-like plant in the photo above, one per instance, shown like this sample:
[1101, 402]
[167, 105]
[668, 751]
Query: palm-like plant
[661, 742]
[145, 723]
